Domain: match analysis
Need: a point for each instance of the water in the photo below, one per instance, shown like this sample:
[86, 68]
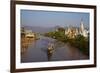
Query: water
[37, 51]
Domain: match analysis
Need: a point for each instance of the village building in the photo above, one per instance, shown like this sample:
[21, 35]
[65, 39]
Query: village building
[27, 33]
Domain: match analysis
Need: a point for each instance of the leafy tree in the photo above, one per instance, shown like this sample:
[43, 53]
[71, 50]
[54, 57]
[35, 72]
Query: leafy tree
[60, 29]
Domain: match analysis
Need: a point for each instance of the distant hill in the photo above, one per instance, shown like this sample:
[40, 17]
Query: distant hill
[38, 29]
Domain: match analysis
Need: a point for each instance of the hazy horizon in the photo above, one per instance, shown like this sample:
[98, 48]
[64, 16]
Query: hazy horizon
[53, 18]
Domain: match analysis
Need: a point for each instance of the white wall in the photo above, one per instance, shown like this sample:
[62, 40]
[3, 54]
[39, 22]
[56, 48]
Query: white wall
[5, 36]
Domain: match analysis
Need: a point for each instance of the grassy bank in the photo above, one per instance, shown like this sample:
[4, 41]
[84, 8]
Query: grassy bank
[80, 42]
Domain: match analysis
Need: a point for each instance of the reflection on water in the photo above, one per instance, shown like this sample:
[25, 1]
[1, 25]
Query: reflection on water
[25, 42]
[41, 50]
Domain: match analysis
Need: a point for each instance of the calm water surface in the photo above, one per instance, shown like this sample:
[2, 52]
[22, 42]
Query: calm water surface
[37, 51]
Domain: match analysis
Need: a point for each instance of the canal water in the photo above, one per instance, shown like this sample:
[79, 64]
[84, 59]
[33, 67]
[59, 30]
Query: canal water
[37, 51]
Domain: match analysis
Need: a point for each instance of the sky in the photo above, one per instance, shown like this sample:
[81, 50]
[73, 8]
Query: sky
[53, 18]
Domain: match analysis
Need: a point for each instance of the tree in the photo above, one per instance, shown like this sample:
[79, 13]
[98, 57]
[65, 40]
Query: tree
[60, 29]
[82, 43]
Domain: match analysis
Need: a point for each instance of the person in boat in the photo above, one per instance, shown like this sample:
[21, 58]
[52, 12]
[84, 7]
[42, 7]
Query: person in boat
[50, 48]
[50, 51]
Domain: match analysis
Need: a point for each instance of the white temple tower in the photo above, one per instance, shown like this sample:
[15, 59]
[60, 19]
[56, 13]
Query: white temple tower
[81, 27]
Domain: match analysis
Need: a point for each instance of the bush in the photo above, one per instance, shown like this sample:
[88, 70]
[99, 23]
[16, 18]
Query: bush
[81, 43]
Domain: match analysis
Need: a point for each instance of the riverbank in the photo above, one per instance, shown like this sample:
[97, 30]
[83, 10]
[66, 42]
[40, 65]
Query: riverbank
[80, 42]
